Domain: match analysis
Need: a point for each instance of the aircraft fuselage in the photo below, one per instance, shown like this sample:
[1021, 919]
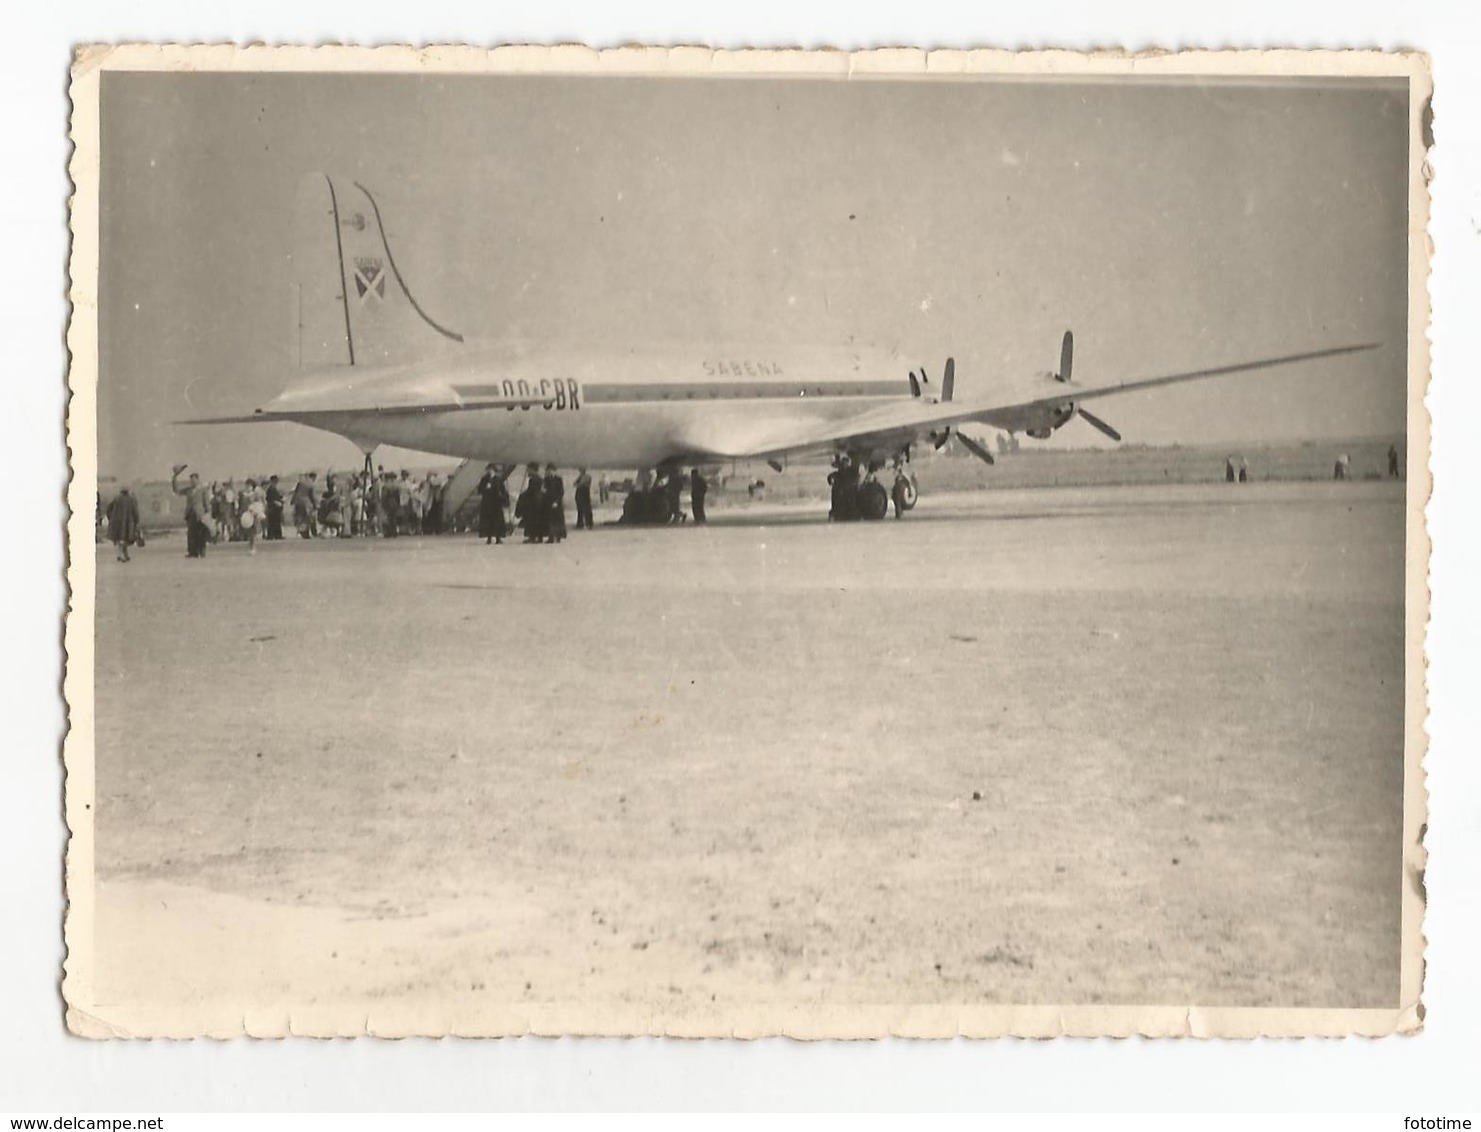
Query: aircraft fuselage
[618, 410]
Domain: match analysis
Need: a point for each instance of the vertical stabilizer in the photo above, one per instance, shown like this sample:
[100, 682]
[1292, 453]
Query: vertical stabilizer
[321, 322]
[355, 305]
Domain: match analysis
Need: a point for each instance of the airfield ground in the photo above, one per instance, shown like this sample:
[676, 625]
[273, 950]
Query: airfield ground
[1109, 745]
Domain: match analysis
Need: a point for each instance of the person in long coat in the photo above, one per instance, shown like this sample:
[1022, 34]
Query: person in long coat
[408, 505]
[698, 489]
[389, 512]
[529, 509]
[583, 500]
[554, 501]
[197, 511]
[493, 497]
[659, 499]
[123, 522]
[306, 504]
[843, 484]
[432, 508]
[675, 490]
[274, 500]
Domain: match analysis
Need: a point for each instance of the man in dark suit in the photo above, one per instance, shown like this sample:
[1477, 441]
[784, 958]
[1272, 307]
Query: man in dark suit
[553, 498]
[274, 498]
[197, 511]
[698, 489]
[583, 500]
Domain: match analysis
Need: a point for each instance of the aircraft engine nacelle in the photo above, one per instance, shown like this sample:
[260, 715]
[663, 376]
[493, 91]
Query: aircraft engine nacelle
[1043, 421]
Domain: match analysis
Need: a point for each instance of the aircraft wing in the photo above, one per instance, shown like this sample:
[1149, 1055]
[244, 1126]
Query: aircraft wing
[903, 422]
[882, 427]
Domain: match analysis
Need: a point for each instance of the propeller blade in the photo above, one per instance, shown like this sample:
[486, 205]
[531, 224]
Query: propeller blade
[940, 438]
[949, 381]
[1066, 357]
[978, 450]
[924, 380]
[1092, 419]
[914, 385]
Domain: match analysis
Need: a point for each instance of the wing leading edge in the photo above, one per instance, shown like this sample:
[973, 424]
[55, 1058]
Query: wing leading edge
[899, 424]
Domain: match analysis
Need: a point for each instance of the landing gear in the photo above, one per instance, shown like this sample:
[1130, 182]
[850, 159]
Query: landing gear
[908, 492]
[872, 500]
[655, 503]
[843, 487]
[852, 499]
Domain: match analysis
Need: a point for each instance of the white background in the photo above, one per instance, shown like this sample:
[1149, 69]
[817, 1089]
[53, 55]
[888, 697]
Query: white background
[42, 1070]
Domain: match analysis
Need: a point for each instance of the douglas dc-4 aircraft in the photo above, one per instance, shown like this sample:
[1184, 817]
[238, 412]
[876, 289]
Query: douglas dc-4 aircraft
[377, 368]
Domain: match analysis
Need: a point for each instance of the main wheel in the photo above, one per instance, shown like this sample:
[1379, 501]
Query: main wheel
[874, 501]
[911, 494]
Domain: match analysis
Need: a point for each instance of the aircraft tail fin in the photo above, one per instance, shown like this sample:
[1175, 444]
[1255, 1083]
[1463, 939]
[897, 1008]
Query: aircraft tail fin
[353, 305]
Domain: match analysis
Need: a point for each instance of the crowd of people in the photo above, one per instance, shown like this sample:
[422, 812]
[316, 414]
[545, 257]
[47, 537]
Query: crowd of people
[341, 506]
[383, 504]
[540, 510]
[660, 498]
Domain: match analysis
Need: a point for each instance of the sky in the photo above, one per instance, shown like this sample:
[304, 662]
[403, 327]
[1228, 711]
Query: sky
[1171, 226]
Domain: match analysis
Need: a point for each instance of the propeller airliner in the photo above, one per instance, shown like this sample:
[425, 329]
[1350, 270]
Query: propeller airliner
[512, 403]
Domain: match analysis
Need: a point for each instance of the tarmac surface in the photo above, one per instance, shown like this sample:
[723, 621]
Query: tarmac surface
[1099, 745]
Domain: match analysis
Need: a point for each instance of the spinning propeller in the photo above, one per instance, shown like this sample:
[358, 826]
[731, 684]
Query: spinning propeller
[918, 386]
[1066, 368]
[948, 384]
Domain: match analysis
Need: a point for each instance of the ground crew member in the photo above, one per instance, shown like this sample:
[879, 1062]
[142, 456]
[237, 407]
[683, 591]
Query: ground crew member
[583, 500]
[698, 489]
[848, 490]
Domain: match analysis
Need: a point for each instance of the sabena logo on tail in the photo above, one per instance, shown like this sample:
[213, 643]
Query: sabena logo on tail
[355, 305]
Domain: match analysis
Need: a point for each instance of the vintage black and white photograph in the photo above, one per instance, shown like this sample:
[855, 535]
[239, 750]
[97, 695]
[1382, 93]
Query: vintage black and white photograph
[733, 544]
